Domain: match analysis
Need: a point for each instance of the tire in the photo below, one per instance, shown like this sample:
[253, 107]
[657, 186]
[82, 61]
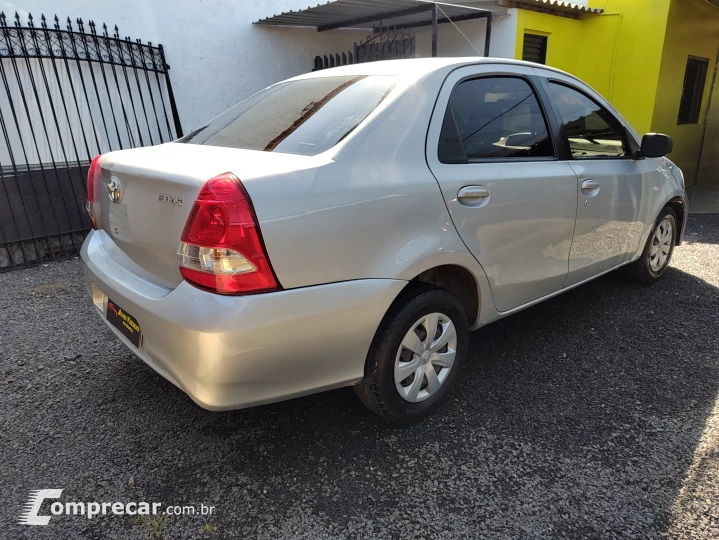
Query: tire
[645, 269]
[414, 312]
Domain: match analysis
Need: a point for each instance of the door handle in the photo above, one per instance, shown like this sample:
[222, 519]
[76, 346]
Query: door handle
[475, 196]
[590, 187]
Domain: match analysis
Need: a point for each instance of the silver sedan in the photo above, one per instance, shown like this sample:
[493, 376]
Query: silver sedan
[351, 226]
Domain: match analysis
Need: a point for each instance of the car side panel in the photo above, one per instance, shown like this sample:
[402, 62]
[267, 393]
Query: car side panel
[665, 184]
[661, 179]
[374, 210]
[611, 219]
[521, 237]
[609, 223]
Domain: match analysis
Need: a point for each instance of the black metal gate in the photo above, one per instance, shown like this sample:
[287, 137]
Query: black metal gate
[386, 45]
[66, 96]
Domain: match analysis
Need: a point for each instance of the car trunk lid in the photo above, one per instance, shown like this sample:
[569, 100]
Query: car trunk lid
[154, 189]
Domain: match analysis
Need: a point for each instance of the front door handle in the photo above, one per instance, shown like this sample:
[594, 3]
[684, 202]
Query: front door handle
[474, 196]
[590, 187]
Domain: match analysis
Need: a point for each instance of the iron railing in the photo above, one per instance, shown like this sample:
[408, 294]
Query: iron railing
[66, 96]
[385, 45]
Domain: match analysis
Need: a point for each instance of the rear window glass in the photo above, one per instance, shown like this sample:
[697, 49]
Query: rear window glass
[304, 117]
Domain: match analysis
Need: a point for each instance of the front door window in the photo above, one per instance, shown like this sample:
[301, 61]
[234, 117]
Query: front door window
[592, 131]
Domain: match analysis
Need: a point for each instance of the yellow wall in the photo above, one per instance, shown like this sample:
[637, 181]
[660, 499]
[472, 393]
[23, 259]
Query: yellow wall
[568, 46]
[635, 54]
[709, 164]
[562, 35]
[639, 51]
[692, 29]
[618, 53]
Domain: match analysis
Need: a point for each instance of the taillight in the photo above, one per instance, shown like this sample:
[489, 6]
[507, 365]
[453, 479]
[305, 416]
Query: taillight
[94, 180]
[221, 248]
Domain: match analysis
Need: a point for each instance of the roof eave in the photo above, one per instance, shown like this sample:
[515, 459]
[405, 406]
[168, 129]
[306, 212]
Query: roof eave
[345, 14]
[552, 7]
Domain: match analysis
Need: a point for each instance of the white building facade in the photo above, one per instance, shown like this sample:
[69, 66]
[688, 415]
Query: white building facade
[217, 56]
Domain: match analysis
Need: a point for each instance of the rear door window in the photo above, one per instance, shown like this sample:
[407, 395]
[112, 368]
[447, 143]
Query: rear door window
[500, 117]
[305, 117]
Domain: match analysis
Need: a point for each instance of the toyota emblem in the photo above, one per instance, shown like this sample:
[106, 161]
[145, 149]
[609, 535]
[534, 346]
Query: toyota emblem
[114, 190]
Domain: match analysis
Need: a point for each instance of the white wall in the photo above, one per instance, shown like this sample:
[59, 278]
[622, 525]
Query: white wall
[450, 42]
[218, 57]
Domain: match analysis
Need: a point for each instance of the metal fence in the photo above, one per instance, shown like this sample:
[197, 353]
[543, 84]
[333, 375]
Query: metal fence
[386, 45]
[66, 96]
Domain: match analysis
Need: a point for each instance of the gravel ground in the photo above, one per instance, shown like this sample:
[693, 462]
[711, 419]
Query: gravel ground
[594, 414]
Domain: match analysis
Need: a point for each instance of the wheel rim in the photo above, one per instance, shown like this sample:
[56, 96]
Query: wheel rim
[425, 357]
[661, 245]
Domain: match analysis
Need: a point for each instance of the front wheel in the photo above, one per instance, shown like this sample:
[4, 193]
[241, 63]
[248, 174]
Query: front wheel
[415, 357]
[658, 250]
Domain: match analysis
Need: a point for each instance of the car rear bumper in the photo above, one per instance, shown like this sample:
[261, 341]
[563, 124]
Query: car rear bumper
[229, 352]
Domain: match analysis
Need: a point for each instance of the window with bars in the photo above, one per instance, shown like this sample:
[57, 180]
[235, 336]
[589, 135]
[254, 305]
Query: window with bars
[695, 77]
[534, 48]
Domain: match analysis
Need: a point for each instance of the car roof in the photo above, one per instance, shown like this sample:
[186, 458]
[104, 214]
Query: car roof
[415, 68]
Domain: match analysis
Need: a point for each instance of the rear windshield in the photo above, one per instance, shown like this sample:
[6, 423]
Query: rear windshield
[304, 117]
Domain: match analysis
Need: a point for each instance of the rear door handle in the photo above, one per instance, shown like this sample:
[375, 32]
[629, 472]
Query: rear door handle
[473, 196]
[590, 187]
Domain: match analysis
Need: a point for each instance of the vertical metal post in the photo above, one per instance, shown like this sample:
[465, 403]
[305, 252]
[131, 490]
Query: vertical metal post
[488, 34]
[5, 185]
[149, 87]
[159, 90]
[76, 201]
[101, 61]
[434, 30]
[76, 52]
[5, 242]
[9, 46]
[170, 94]
[123, 63]
[131, 53]
[113, 62]
[18, 79]
[63, 55]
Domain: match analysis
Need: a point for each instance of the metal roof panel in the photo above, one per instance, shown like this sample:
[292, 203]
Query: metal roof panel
[555, 6]
[347, 13]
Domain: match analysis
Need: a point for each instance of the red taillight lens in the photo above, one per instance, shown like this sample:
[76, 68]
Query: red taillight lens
[94, 178]
[221, 247]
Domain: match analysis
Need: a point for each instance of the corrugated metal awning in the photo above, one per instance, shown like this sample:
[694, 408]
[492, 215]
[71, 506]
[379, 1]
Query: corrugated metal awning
[554, 7]
[401, 14]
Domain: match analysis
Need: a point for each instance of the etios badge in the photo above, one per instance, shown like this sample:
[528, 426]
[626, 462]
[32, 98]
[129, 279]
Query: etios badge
[114, 189]
[170, 199]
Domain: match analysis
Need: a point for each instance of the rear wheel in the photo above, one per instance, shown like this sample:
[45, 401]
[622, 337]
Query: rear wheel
[416, 355]
[657, 251]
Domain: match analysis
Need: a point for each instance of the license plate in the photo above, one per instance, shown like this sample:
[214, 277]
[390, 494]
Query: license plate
[124, 322]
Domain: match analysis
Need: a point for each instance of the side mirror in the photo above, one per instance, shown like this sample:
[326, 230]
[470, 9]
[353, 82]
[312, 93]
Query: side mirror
[656, 145]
